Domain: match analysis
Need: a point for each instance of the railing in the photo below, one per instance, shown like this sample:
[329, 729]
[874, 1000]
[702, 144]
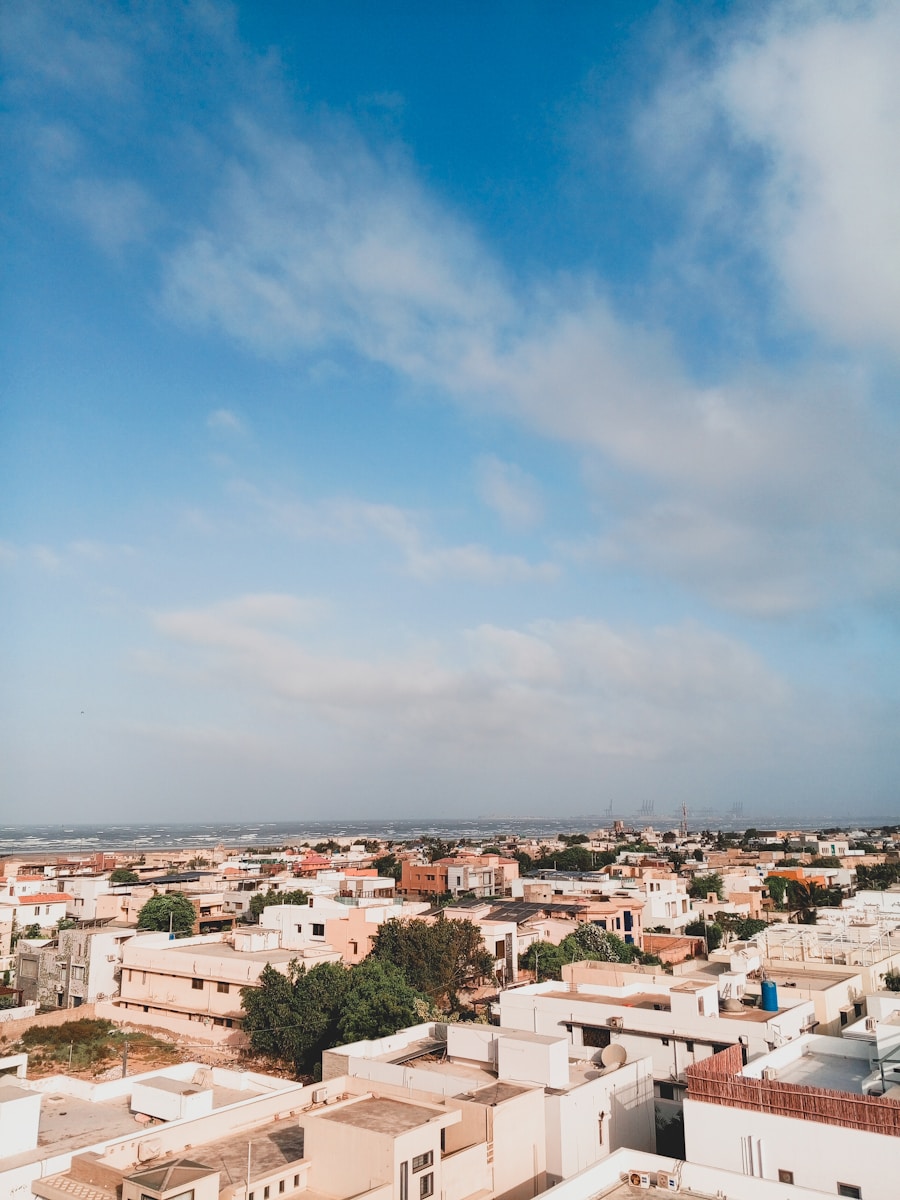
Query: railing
[717, 1080]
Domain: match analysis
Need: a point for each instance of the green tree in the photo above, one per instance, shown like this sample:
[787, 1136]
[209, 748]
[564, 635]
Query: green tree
[702, 885]
[709, 930]
[378, 1002]
[294, 1017]
[389, 867]
[777, 885]
[262, 900]
[436, 848]
[172, 911]
[124, 875]
[439, 959]
[892, 980]
[544, 960]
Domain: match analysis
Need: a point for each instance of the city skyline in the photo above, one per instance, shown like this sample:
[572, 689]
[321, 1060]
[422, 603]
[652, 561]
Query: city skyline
[483, 411]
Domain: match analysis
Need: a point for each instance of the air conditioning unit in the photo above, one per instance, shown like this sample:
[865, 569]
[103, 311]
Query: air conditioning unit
[320, 1095]
[769, 1073]
[871, 1024]
[639, 1179]
[615, 1022]
[666, 1182]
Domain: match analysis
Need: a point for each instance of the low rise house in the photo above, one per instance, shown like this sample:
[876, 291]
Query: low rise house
[193, 985]
[800, 1115]
[78, 966]
[588, 1108]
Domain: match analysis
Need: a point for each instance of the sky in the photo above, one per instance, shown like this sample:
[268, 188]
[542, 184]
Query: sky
[449, 410]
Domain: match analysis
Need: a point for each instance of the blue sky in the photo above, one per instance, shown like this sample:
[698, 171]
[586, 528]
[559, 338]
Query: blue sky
[417, 410]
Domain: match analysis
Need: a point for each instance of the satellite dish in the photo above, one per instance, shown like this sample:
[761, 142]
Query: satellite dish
[613, 1055]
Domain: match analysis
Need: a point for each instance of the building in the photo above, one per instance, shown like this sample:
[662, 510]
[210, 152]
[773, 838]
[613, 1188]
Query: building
[78, 966]
[676, 1021]
[803, 1114]
[589, 1108]
[193, 985]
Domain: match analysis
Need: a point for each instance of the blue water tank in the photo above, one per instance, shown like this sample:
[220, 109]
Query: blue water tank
[769, 996]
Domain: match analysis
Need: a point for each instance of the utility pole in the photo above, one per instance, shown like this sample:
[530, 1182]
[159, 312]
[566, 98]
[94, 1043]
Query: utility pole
[125, 1056]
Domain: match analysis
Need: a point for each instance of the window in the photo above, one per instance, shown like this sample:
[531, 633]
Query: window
[592, 1036]
[318, 930]
[266, 1192]
[785, 1176]
[850, 1189]
[689, 1046]
[197, 985]
[421, 1161]
[222, 987]
[77, 972]
[843, 1022]
[665, 1041]
[666, 1091]
[296, 1181]
[280, 1185]
[404, 1181]
[426, 1186]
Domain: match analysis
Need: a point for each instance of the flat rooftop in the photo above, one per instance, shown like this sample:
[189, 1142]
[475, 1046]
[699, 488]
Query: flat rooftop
[381, 1115]
[224, 950]
[69, 1123]
[659, 1002]
[273, 1147]
[830, 1071]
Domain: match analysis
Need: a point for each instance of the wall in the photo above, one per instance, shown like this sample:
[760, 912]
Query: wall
[820, 1156]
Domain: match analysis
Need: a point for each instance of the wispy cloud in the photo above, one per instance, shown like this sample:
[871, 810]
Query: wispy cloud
[345, 520]
[578, 687]
[294, 258]
[509, 491]
[223, 420]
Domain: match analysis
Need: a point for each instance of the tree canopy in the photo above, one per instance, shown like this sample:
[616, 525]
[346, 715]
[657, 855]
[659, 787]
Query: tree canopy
[171, 911]
[297, 1016]
[702, 885]
[263, 899]
[124, 875]
[439, 959]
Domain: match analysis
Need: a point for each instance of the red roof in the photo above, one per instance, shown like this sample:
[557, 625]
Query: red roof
[44, 898]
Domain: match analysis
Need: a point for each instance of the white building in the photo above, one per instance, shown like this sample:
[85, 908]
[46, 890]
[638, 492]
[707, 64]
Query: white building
[800, 1115]
[590, 1108]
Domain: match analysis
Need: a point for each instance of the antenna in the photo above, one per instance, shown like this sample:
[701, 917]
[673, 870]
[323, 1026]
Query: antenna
[684, 820]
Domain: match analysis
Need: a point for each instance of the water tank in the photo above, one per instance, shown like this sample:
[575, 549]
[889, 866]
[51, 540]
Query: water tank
[769, 996]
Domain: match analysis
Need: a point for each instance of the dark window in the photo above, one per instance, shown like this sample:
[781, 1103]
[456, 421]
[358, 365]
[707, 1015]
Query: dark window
[404, 1181]
[222, 987]
[785, 1176]
[421, 1161]
[666, 1091]
[850, 1189]
[592, 1036]
[426, 1186]
[281, 1185]
[266, 1193]
[689, 1046]
[197, 984]
[629, 919]
[843, 1022]
[857, 1009]
[665, 1041]
[296, 1181]
[318, 930]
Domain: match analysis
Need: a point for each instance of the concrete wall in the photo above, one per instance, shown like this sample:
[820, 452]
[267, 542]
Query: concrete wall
[820, 1156]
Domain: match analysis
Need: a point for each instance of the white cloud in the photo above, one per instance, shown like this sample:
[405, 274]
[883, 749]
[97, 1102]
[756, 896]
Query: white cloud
[579, 688]
[223, 420]
[509, 491]
[788, 139]
[309, 247]
[115, 212]
[344, 519]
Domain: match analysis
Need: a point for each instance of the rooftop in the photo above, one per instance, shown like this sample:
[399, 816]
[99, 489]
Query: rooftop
[831, 1071]
[381, 1115]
